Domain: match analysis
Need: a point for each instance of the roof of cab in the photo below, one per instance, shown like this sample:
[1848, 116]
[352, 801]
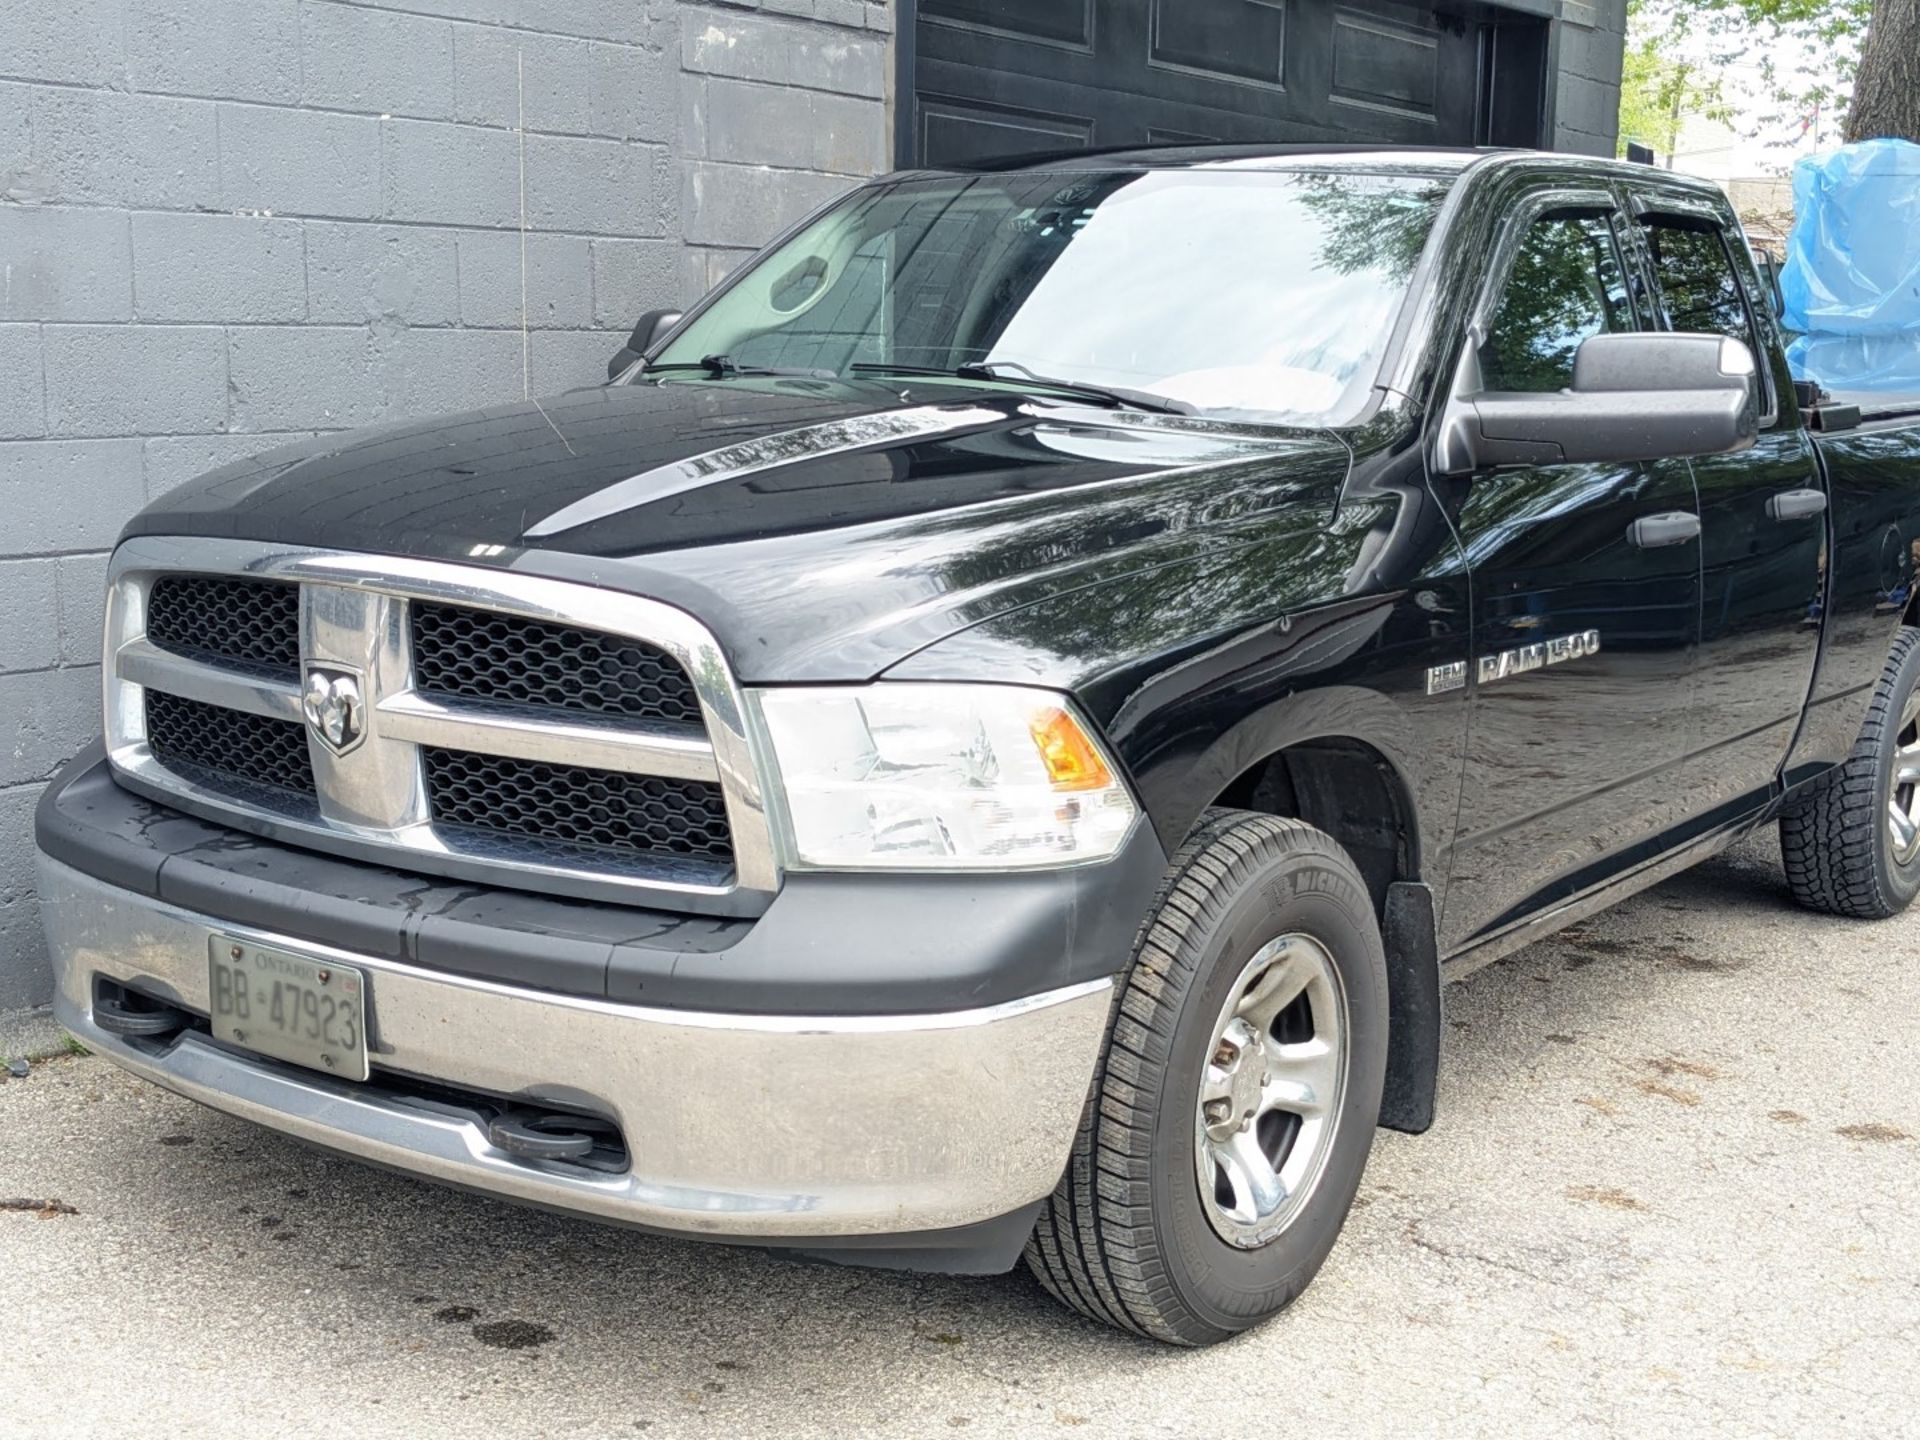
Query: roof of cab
[1432, 160]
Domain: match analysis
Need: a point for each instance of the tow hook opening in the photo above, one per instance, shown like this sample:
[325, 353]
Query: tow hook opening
[128, 1014]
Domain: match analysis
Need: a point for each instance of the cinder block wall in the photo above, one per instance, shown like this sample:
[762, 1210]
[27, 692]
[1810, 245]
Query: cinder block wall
[1593, 38]
[225, 224]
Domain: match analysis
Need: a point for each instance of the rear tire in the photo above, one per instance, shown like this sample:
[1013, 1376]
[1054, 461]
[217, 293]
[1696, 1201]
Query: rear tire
[1165, 1222]
[1853, 847]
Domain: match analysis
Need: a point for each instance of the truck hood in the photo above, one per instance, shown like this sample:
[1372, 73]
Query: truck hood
[824, 530]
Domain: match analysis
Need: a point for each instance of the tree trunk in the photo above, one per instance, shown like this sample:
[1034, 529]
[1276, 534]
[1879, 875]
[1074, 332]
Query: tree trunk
[1886, 92]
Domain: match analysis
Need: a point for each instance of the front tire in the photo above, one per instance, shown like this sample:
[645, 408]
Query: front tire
[1235, 1103]
[1853, 847]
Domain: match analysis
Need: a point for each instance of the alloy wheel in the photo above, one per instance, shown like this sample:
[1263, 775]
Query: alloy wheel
[1270, 1095]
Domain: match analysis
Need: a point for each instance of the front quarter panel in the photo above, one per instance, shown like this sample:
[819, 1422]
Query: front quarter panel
[1323, 622]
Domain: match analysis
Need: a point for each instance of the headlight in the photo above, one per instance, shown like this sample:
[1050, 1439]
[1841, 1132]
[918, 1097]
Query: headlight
[940, 777]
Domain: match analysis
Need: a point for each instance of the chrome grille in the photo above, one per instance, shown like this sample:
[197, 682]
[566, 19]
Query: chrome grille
[228, 749]
[510, 728]
[247, 624]
[509, 659]
[579, 807]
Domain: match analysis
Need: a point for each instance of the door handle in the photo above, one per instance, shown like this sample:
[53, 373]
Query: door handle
[1796, 504]
[1674, 527]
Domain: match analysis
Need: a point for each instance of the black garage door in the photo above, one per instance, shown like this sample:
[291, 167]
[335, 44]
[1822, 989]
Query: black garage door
[1004, 77]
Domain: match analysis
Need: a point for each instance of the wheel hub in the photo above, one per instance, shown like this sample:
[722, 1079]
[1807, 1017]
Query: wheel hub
[1270, 1091]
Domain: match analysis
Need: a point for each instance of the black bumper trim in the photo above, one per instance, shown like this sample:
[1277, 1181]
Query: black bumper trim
[828, 944]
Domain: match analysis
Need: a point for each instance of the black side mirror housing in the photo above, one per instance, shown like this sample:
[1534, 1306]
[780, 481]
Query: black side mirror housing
[648, 331]
[1634, 397]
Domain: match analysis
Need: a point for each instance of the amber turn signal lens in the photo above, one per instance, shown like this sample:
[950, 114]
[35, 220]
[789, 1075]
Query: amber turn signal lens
[1070, 757]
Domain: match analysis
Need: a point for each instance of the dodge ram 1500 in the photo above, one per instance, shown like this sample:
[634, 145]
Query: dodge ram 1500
[989, 734]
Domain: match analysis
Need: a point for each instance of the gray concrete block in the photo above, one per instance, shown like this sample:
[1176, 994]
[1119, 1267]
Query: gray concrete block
[74, 42]
[26, 975]
[379, 61]
[106, 147]
[23, 401]
[494, 68]
[753, 124]
[623, 20]
[386, 274]
[169, 461]
[437, 372]
[631, 277]
[741, 206]
[880, 16]
[746, 46]
[47, 715]
[558, 288]
[135, 379]
[299, 162]
[850, 135]
[305, 378]
[80, 596]
[29, 599]
[632, 94]
[602, 187]
[572, 359]
[63, 264]
[25, 978]
[450, 174]
[223, 49]
[736, 44]
[850, 13]
[66, 495]
[218, 267]
[747, 123]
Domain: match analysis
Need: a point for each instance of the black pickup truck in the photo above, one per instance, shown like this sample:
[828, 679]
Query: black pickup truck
[990, 733]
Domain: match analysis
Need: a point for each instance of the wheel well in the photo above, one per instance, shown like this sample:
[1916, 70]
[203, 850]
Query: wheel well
[1346, 788]
[1352, 792]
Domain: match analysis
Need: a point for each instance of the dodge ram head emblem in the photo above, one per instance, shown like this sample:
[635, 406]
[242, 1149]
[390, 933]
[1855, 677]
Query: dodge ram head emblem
[331, 702]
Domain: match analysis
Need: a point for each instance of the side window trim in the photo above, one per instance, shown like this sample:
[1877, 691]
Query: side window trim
[1650, 210]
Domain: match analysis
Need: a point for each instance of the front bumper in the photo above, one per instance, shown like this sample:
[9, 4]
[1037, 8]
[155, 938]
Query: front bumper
[813, 1130]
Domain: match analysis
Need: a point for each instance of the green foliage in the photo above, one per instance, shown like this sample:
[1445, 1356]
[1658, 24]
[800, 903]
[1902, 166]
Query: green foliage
[1825, 35]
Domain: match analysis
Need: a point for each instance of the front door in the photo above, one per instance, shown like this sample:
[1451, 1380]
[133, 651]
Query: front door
[1585, 619]
[1763, 527]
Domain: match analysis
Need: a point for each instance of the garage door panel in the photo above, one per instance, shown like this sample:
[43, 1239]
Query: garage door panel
[1384, 65]
[1237, 41]
[1052, 22]
[961, 131]
[1150, 70]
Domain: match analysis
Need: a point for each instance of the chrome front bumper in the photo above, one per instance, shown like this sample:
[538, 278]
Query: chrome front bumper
[740, 1126]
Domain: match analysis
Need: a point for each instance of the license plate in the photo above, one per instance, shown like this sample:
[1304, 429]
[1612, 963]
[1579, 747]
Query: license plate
[307, 1012]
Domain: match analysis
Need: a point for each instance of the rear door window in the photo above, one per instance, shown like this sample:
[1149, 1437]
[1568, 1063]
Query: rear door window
[1699, 288]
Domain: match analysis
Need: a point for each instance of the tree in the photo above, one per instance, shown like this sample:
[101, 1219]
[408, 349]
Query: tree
[1886, 91]
[1868, 65]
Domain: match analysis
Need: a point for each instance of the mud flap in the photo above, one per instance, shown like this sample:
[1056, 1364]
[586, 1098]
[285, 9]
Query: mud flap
[1413, 1008]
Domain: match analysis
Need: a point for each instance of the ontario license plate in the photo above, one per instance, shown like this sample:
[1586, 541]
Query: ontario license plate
[308, 1012]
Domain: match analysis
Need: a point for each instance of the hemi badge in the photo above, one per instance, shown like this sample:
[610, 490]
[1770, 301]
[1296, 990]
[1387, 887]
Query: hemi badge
[1442, 678]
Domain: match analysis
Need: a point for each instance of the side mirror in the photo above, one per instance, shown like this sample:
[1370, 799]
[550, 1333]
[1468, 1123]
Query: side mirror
[649, 331]
[1651, 396]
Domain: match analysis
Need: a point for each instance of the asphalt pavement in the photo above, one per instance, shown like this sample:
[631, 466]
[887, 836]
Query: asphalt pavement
[1674, 1190]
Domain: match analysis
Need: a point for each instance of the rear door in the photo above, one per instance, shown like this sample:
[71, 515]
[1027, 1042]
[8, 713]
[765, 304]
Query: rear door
[1584, 639]
[1763, 521]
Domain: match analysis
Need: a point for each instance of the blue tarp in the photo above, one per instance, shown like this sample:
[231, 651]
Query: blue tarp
[1851, 281]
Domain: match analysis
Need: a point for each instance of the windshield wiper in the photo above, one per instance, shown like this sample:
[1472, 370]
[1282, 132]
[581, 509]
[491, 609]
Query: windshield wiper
[1012, 370]
[719, 367]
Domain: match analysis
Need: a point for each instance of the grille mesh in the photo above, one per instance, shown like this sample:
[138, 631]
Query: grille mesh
[575, 806]
[507, 659]
[228, 749]
[241, 624]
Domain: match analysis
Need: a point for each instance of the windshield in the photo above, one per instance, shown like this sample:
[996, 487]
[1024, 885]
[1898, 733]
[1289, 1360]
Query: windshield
[1260, 291]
